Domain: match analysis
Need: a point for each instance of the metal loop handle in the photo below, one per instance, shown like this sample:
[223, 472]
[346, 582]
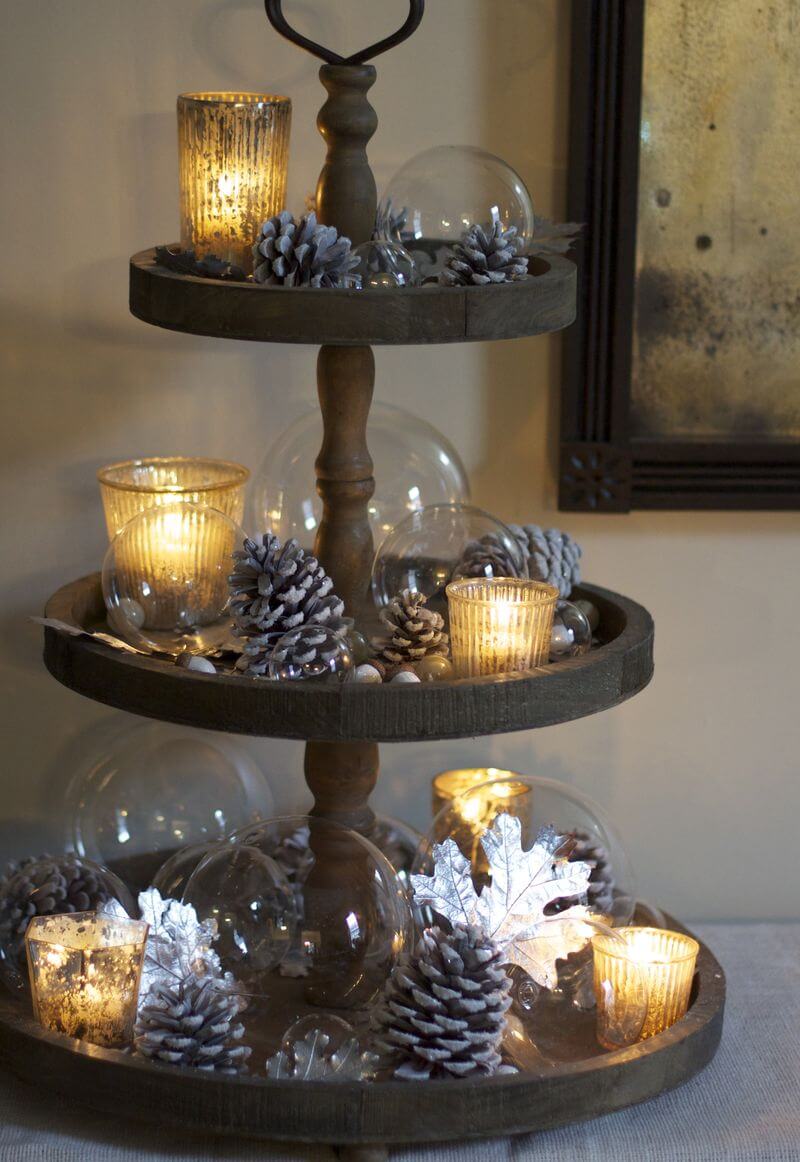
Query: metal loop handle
[416, 8]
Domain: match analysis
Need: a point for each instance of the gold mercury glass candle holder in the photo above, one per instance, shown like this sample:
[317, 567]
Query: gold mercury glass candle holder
[131, 486]
[234, 156]
[632, 959]
[468, 819]
[499, 625]
[84, 973]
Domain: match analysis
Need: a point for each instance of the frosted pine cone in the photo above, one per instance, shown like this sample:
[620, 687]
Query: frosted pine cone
[193, 1024]
[291, 253]
[482, 257]
[414, 632]
[46, 886]
[443, 1013]
[600, 893]
[275, 589]
[488, 557]
[553, 556]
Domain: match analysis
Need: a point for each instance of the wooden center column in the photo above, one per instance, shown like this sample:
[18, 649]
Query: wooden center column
[341, 775]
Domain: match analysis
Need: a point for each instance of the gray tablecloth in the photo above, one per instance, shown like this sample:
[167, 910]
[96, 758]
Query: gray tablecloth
[746, 1105]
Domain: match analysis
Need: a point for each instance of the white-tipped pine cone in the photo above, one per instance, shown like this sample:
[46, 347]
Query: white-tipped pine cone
[553, 556]
[442, 1014]
[483, 257]
[414, 632]
[488, 557]
[275, 589]
[304, 253]
[193, 1024]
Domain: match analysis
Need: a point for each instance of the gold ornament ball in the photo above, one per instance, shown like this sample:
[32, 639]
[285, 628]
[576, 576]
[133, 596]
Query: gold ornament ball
[434, 668]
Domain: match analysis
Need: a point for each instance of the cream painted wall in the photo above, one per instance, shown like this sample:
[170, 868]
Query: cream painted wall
[700, 771]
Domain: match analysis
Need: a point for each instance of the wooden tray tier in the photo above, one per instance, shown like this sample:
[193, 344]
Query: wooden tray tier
[428, 314]
[156, 688]
[363, 1113]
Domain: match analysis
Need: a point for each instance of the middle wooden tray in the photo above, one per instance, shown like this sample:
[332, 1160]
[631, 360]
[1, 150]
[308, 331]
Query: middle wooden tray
[612, 672]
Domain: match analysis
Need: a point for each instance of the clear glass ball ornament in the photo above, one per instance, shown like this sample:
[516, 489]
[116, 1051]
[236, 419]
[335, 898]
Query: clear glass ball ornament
[439, 543]
[540, 803]
[548, 1027]
[572, 634]
[153, 788]
[174, 874]
[336, 1030]
[354, 919]
[384, 264]
[48, 886]
[415, 466]
[399, 842]
[165, 579]
[441, 192]
[253, 904]
[311, 653]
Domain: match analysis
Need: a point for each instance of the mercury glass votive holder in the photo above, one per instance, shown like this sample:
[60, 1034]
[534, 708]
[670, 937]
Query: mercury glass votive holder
[131, 486]
[499, 625]
[234, 156]
[660, 962]
[466, 820]
[479, 809]
[84, 972]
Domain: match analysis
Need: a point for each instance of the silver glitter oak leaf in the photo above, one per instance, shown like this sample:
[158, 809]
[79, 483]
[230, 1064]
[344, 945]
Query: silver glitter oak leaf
[511, 910]
[179, 947]
[311, 1062]
[553, 237]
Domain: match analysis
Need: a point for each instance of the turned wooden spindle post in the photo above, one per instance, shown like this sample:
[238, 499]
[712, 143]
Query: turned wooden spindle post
[340, 775]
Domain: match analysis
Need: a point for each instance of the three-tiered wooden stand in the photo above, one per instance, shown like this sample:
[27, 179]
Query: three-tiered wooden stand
[343, 724]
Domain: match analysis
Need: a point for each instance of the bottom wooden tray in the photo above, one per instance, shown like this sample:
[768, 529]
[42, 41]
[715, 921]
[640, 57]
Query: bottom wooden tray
[364, 1114]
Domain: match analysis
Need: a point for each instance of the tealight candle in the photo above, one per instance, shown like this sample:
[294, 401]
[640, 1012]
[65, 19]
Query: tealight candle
[469, 818]
[84, 973]
[234, 156]
[499, 625]
[131, 486]
[635, 960]
[480, 808]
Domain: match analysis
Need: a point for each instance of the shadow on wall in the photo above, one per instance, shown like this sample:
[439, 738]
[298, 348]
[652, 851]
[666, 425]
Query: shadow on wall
[522, 375]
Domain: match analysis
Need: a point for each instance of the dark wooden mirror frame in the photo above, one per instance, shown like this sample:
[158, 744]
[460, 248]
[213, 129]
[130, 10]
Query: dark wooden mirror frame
[602, 469]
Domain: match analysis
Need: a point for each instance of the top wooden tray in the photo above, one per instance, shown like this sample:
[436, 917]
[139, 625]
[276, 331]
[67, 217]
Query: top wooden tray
[157, 688]
[428, 314]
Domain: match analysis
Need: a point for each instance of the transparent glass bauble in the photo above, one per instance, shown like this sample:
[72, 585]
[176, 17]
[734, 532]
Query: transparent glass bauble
[440, 193]
[174, 874]
[354, 919]
[399, 842]
[50, 886]
[154, 788]
[248, 895]
[439, 543]
[539, 803]
[588, 1008]
[384, 264]
[415, 465]
[165, 579]
[311, 653]
[572, 634]
[336, 1032]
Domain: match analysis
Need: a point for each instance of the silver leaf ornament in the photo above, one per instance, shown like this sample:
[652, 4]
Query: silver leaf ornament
[511, 909]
